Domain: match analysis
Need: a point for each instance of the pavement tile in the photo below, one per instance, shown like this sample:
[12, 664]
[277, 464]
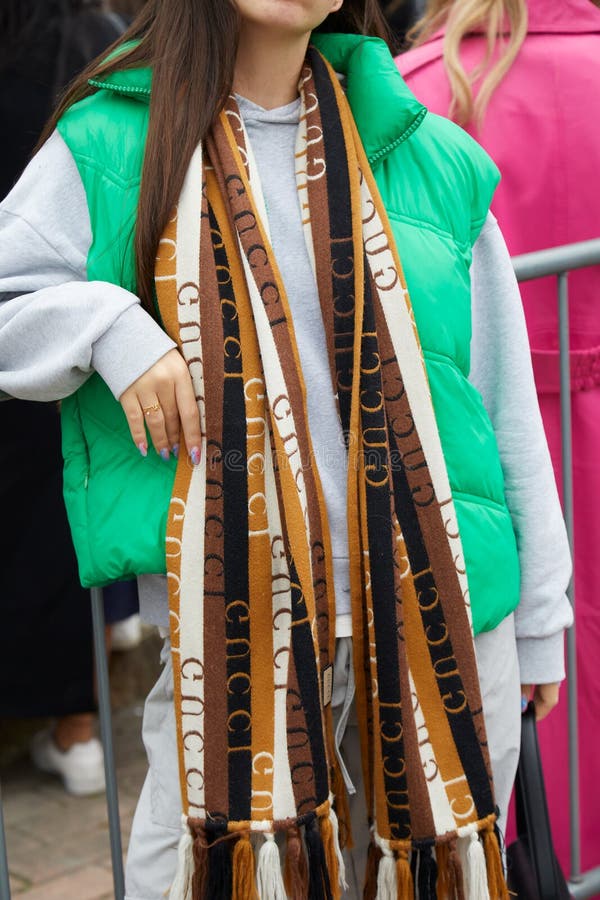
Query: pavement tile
[88, 883]
[52, 860]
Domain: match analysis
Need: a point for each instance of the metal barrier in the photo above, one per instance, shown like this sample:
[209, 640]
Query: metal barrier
[559, 261]
[110, 771]
[556, 261]
[4, 879]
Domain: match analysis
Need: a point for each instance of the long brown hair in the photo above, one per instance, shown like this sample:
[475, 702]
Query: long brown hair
[191, 46]
[505, 25]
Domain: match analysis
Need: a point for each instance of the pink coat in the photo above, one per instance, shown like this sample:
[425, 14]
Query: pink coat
[542, 128]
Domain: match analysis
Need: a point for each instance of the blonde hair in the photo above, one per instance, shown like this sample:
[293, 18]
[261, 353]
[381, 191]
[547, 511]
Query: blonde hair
[504, 23]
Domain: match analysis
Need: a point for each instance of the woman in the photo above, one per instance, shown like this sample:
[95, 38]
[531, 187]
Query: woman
[277, 219]
[539, 85]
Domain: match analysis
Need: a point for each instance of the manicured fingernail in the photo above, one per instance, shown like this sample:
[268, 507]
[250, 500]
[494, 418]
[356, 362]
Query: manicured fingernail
[164, 454]
[176, 451]
[143, 448]
[524, 703]
[195, 455]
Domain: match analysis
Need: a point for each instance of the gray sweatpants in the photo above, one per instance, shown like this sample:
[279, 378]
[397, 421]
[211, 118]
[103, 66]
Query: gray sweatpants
[156, 829]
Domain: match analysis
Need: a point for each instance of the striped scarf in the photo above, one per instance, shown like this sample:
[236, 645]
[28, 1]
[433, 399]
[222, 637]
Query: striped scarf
[248, 550]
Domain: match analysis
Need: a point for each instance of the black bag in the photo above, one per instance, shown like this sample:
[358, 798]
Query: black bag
[532, 867]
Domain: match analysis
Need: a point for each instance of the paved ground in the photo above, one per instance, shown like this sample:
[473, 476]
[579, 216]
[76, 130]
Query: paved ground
[58, 847]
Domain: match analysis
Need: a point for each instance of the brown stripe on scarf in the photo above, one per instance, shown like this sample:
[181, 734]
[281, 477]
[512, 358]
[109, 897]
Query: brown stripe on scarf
[421, 816]
[215, 665]
[444, 758]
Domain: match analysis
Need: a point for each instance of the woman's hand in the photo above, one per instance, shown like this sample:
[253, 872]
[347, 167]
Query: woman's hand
[163, 399]
[545, 697]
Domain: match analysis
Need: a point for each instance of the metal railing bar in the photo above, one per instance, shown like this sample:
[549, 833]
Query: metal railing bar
[104, 710]
[557, 259]
[4, 876]
[587, 886]
[567, 484]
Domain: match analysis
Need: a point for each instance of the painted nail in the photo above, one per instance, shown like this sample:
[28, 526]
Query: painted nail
[524, 703]
[176, 451]
[195, 455]
[143, 448]
[164, 454]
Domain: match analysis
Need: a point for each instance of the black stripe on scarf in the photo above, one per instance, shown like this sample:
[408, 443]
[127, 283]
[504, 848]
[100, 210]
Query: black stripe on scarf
[235, 515]
[380, 530]
[306, 672]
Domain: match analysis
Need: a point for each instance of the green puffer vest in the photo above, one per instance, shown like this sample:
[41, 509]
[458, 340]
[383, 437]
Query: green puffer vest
[436, 184]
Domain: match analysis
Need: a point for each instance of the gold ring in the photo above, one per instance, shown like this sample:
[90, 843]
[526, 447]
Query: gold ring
[150, 409]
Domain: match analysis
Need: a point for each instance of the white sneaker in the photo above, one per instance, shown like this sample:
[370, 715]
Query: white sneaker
[81, 767]
[126, 634]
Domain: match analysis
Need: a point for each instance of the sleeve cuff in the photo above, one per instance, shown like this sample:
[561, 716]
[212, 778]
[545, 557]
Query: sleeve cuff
[130, 347]
[542, 660]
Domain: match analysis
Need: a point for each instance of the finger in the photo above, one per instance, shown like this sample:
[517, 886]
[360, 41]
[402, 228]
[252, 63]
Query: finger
[155, 423]
[545, 699]
[525, 695]
[135, 420]
[189, 416]
[168, 403]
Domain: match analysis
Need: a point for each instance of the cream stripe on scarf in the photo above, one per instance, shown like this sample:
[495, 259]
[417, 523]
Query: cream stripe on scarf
[191, 613]
[283, 803]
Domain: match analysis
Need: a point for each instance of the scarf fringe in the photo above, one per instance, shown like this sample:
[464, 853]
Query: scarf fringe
[295, 873]
[182, 887]
[220, 869]
[269, 878]
[468, 867]
[455, 872]
[222, 863]
[476, 879]
[200, 851]
[337, 846]
[404, 877]
[244, 882]
[319, 883]
[426, 873]
[342, 808]
[465, 867]
[374, 855]
[495, 874]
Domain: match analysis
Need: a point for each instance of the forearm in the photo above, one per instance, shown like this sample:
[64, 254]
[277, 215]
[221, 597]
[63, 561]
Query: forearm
[52, 340]
[501, 371]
